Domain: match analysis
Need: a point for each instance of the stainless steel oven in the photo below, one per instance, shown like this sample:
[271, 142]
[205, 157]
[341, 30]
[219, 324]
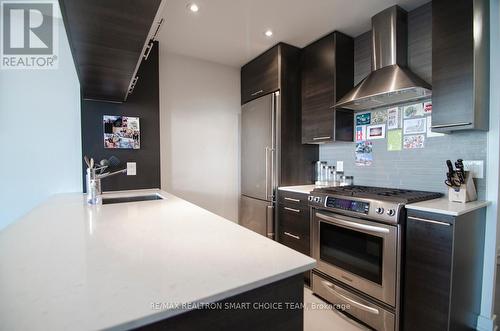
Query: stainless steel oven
[357, 252]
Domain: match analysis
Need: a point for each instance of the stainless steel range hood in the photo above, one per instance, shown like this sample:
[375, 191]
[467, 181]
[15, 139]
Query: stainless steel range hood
[390, 82]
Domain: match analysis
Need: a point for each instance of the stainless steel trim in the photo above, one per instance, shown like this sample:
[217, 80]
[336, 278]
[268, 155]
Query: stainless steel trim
[257, 93]
[322, 138]
[428, 221]
[290, 199]
[291, 235]
[354, 225]
[292, 209]
[330, 287]
[450, 125]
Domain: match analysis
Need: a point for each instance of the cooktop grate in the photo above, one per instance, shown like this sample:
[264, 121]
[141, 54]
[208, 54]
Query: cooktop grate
[380, 193]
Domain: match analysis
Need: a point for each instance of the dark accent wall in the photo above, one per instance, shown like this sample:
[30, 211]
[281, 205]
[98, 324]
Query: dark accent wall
[142, 103]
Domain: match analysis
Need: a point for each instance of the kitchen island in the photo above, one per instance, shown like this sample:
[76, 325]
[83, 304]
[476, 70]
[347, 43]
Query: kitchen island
[70, 266]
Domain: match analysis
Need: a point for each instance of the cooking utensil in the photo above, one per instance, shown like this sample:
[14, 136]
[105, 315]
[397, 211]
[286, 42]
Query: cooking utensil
[87, 161]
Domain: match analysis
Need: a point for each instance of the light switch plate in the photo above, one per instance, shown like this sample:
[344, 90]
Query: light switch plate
[340, 166]
[131, 168]
[476, 167]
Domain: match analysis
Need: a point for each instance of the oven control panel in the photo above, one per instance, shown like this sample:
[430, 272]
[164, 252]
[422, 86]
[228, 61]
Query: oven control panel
[381, 210]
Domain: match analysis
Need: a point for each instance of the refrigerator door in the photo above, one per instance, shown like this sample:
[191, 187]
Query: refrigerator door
[258, 147]
[257, 215]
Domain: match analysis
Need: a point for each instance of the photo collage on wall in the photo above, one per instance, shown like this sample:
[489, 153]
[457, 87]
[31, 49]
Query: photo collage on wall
[403, 127]
[121, 132]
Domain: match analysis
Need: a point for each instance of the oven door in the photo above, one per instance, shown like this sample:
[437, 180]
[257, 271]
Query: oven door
[359, 253]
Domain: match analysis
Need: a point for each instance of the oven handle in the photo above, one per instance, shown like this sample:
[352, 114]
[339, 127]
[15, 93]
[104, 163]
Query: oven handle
[330, 287]
[353, 225]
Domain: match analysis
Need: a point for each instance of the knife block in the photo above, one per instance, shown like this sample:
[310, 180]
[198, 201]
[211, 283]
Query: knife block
[466, 192]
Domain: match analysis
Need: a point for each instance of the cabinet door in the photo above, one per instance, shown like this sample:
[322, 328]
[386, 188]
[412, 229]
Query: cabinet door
[427, 274]
[452, 58]
[318, 65]
[260, 76]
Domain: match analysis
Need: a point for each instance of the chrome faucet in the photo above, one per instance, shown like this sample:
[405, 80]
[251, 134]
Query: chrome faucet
[94, 191]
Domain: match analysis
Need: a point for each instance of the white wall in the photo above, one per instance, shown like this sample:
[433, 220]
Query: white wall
[40, 145]
[199, 130]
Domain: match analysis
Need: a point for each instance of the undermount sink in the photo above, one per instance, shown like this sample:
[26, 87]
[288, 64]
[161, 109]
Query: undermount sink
[106, 201]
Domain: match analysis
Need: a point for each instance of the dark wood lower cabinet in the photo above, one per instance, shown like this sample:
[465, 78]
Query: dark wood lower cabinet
[294, 223]
[289, 290]
[443, 271]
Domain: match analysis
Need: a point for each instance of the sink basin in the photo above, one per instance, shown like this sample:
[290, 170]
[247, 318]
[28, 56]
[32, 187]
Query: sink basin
[106, 201]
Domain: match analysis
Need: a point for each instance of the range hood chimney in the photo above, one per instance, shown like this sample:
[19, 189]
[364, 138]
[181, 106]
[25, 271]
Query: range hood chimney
[390, 82]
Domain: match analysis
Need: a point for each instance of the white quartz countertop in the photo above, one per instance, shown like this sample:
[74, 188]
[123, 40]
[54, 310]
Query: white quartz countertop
[70, 266]
[306, 189]
[446, 207]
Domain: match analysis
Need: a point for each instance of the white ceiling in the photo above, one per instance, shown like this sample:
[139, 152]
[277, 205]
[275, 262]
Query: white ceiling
[231, 32]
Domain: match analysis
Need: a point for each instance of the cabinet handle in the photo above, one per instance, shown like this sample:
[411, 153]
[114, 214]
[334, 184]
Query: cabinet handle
[291, 235]
[450, 125]
[321, 138]
[292, 209]
[258, 92]
[290, 199]
[428, 221]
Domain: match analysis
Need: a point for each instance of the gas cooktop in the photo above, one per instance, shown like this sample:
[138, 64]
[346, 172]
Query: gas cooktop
[379, 193]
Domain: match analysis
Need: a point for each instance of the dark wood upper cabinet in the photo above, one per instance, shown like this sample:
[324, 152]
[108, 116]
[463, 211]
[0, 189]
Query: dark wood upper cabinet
[260, 76]
[460, 65]
[327, 74]
[107, 40]
[443, 270]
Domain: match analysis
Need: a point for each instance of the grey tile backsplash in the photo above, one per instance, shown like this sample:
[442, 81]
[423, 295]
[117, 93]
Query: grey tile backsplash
[419, 169]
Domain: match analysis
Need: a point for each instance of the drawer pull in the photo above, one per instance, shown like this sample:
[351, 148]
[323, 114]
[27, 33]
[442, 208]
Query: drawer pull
[291, 235]
[292, 209]
[322, 138]
[428, 221]
[330, 287]
[291, 199]
[257, 93]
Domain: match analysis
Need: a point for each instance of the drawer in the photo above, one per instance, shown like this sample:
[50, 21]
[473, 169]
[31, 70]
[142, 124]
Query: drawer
[288, 197]
[295, 241]
[294, 227]
[370, 313]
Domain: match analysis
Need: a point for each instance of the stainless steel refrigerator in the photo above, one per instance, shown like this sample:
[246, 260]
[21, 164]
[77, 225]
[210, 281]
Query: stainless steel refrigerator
[259, 164]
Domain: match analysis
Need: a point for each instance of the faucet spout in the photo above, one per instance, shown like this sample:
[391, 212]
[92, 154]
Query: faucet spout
[109, 174]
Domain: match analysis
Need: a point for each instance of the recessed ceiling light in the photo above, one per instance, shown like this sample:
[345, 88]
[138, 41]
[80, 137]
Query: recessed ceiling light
[268, 33]
[193, 7]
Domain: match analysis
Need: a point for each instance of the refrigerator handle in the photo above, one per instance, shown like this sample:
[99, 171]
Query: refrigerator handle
[267, 172]
[270, 222]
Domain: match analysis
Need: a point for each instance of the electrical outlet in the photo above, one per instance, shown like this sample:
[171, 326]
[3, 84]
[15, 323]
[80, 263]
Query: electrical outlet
[131, 168]
[475, 167]
[340, 166]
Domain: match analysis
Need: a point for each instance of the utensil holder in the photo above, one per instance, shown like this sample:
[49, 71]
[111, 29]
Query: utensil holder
[466, 192]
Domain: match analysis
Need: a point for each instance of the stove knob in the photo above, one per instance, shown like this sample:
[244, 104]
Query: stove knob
[317, 199]
[379, 210]
[391, 212]
[310, 198]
